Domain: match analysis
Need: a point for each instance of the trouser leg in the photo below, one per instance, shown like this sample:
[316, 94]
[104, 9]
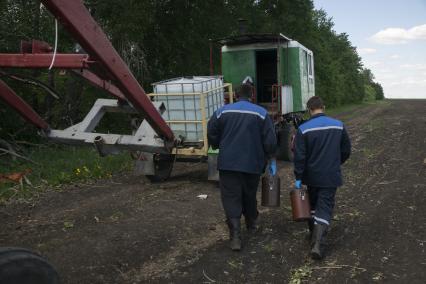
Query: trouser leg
[323, 213]
[324, 205]
[231, 193]
[313, 197]
[250, 185]
[231, 190]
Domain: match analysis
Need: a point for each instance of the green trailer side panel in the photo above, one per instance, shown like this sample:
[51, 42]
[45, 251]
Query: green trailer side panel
[236, 65]
[291, 74]
[307, 81]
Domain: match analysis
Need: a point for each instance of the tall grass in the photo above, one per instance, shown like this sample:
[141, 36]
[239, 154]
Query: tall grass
[58, 165]
[352, 107]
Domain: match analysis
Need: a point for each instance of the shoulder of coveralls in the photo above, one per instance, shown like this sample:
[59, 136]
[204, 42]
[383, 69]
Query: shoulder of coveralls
[242, 107]
[322, 122]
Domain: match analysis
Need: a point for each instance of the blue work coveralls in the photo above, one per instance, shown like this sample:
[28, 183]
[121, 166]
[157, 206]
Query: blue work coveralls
[322, 145]
[245, 136]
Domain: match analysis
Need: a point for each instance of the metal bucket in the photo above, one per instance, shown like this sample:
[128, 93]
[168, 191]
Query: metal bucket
[271, 191]
[300, 206]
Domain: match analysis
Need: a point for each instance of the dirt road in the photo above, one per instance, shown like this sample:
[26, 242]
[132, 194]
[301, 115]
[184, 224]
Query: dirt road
[129, 231]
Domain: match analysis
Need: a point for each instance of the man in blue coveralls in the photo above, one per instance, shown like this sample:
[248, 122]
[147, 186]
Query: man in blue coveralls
[321, 146]
[245, 136]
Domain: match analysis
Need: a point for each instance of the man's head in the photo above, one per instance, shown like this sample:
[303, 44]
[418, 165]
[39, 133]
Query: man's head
[246, 91]
[315, 105]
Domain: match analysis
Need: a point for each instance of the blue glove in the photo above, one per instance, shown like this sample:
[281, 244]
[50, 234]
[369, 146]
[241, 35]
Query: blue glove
[298, 184]
[272, 167]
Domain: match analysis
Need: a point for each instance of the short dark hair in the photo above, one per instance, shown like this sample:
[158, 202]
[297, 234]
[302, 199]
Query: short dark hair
[315, 103]
[245, 91]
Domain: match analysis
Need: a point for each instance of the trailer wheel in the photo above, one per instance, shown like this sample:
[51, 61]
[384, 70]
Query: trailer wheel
[163, 166]
[285, 137]
[25, 267]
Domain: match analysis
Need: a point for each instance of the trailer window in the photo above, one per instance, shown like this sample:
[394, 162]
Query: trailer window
[310, 71]
[305, 63]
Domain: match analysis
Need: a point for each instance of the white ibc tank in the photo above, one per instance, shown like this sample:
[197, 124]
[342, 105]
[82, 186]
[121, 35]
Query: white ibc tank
[187, 108]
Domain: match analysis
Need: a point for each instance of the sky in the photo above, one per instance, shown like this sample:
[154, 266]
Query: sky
[390, 37]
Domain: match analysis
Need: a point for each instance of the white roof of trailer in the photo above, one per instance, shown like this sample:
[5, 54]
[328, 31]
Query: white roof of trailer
[259, 42]
[260, 46]
[252, 38]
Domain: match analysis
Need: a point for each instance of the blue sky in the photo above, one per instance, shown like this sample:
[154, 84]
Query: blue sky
[390, 37]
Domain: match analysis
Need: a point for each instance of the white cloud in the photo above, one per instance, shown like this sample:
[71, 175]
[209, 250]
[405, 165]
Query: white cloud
[395, 56]
[400, 35]
[383, 70]
[367, 50]
[418, 66]
[409, 81]
[399, 80]
[386, 78]
[409, 87]
[372, 64]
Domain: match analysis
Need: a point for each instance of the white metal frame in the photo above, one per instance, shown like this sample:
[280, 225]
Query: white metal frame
[145, 139]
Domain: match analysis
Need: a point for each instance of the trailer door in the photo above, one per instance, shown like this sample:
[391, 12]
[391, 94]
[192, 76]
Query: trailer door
[266, 71]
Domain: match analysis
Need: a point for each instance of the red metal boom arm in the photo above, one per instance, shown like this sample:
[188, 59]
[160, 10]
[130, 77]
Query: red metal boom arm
[9, 96]
[101, 54]
[78, 21]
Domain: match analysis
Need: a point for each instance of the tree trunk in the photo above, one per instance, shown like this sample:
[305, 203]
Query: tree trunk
[36, 35]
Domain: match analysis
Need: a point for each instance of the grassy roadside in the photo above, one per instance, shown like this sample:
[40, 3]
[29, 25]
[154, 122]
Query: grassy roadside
[58, 165]
[349, 108]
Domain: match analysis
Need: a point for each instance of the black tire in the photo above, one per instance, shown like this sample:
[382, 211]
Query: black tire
[285, 137]
[163, 166]
[25, 267]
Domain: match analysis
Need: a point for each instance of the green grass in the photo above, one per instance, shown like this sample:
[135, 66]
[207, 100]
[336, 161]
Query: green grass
[351, 107]
[59, 165]
[301, 274]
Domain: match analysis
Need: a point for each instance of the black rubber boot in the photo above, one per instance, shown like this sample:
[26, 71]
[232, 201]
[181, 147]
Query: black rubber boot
[235, 233]
[229, 227]
[318, 240]
[251, 224]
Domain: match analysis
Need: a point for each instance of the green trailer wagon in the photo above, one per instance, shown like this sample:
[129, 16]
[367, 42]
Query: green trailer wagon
[282, 72]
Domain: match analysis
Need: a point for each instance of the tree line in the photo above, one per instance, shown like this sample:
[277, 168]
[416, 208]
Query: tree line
[160, 39]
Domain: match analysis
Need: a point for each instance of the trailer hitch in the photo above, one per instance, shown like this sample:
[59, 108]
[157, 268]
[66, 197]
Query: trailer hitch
[295, 118]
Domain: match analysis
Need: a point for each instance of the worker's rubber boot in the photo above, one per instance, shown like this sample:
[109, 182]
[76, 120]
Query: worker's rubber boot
[318, 241]
[235, 233]
[228, 222]
[251, 224]
[229, 227]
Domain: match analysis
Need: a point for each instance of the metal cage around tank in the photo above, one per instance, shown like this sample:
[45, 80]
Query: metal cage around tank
[199, 147]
